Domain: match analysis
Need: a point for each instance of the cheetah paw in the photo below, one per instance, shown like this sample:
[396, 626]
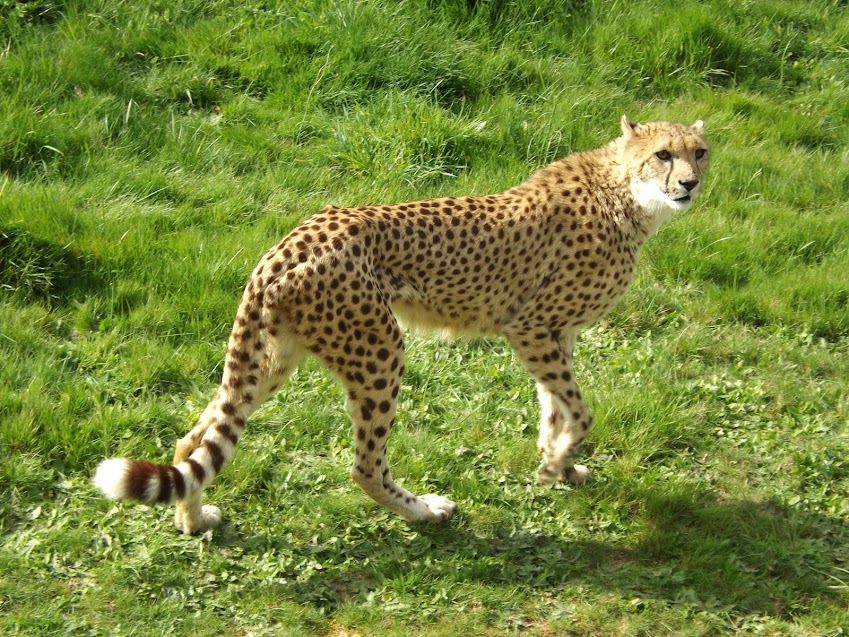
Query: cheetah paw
[210, 517]
[438, 508]
[576, 474]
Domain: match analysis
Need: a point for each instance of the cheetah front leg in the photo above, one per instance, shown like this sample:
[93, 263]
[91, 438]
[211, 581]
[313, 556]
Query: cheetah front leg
[560, 436]
[565, 420]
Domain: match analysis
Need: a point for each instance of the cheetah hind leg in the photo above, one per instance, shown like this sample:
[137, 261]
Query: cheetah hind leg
[372, 404]
[280, 359]
[373, 415]
[190, 515]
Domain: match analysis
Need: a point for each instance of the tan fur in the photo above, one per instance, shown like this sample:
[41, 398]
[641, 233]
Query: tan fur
[532, 264]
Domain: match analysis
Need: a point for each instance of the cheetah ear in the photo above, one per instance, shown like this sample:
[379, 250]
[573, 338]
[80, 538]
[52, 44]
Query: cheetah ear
[628, 127]
[699, 127]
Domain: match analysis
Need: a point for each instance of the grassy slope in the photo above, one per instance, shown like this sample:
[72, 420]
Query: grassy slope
[151, 151]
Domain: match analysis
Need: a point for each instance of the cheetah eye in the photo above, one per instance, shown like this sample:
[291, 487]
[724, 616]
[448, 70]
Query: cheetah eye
[663, 155]
[700, 153]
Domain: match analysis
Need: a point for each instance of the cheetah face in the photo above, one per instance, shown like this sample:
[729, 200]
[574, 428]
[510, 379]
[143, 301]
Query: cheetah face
[665, 162]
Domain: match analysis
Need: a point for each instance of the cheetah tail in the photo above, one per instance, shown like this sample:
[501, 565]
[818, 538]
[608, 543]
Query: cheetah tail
[148, 482]
[151, 483]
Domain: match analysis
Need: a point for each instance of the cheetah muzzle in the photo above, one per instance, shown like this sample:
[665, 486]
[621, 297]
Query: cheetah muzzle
[532, 264]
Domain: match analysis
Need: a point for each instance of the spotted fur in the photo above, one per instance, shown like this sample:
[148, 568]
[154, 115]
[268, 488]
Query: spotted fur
[532, 264]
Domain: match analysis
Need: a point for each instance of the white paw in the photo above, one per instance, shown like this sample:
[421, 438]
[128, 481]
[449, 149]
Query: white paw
[576, 474]
[549, 474]
[439, 508]
[188, 523]
[211, 516]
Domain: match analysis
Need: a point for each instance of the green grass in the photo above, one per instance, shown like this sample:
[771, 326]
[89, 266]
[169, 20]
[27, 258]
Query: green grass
[150, 152]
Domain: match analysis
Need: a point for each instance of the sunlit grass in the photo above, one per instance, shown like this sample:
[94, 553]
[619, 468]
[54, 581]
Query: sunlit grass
[149, 154]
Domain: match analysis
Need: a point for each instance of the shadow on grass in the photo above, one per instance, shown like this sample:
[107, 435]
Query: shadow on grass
[38, 269]
[742, 558]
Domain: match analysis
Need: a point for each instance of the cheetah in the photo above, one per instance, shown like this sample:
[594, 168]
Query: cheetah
[532, 264]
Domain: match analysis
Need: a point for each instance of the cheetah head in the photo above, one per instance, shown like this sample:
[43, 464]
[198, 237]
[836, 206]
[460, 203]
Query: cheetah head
[664, 162]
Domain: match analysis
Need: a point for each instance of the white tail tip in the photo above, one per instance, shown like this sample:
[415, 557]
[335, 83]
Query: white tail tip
[109, 477]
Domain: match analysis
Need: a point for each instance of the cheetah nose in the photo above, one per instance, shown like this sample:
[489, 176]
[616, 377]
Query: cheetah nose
[689, 184]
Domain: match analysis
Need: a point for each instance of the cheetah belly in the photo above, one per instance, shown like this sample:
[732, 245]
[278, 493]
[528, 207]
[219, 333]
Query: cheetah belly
[452, 303]
[423, 318]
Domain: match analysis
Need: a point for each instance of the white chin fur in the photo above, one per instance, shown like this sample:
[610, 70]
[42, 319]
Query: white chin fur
[109, 477]
[653, 200]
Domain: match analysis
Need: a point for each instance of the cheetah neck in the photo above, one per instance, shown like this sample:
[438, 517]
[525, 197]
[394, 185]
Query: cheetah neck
[606, 185]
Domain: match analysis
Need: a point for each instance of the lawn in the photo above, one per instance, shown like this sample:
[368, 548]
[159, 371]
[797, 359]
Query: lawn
[151, 151]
